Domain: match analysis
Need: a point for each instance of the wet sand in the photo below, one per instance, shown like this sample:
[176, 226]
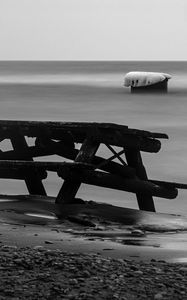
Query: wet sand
[92, 227]
[89, 251]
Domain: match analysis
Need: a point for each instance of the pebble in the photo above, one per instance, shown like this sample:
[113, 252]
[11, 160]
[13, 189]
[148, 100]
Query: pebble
[49, 242]
[38, 248]
[183, 269]
[137, 232]
[157, 270]
[121, 261]
[86, 273]
[73, 281]
[158, 296]
[86, 276]
[107, 249]
[138, 272]
[18, 260]
[8, 247]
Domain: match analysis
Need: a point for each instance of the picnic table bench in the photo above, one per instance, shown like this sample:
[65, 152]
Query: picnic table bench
[83, 165]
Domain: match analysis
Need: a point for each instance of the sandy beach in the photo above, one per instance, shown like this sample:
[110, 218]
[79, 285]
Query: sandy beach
[40, 273]
[83, 252]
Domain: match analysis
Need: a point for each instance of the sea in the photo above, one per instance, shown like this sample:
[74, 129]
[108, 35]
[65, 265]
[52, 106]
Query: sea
[93, 91]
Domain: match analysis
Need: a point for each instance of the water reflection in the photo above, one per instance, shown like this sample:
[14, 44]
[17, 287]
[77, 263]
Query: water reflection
[51, 217]
[8, 200]
[182, 260]
[140, 243]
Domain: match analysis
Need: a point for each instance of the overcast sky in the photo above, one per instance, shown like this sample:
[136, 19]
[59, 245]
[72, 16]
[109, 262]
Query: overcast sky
[93, 29]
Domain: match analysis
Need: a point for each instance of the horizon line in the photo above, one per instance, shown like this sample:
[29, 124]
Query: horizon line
[91, 60]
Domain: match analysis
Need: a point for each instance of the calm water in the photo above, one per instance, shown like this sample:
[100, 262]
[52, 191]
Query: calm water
[93, 91]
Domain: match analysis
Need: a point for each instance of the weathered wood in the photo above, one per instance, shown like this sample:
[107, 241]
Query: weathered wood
[117, 155]
[114, 168]
[76, 169]
[68, 191]
[9, 166]
[116, 182]
[139, 143]
[32, 151]
[113, 134]
[26, 165]
[170, 184]
[32, 179]
[144, 133]
[12, 174]
[69, 153]
[66, 138]
[20, 172]
[59, 138]
[145, 201]
[32, 127]
[87, 150]
[36, 151]
[70, 187]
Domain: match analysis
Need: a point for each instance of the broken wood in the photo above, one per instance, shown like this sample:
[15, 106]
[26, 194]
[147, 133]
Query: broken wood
[145, 201]
[71, 186]
[170, 184]
[113, 134]
[59, 138]
[53, 147]
[86, 174]
[32, 179]
[116, 182]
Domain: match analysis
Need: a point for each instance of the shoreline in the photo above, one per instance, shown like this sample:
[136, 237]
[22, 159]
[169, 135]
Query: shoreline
[40, 273]
[42, 257]
[84, 241]
[92, 227]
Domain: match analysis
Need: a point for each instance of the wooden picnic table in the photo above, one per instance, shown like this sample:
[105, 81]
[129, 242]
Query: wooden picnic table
[83, 165]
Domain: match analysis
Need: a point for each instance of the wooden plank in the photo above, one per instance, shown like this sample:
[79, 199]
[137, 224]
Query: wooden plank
[112, 181]
[170, 184]
[145, 133]
[32, 126]
[68, 191]
[11, 174]
[32, 178]
[17, 165]
[32, 151]
[66, 138]
[145, 201]
[85, 173]
[52, 147]
[113, 134]
[9, 166]
[69, 153]
[20, 172]
[41, 165]
[70, 187]
[87, 150]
